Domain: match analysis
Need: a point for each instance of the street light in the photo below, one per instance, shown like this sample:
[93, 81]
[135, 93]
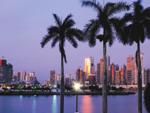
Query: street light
[76, 87]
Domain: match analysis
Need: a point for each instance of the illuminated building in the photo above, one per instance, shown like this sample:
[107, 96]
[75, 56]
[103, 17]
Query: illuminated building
[112, 74]
[101, 70]
[25, 77]
[117, 75]
[131, 71]
[80, 76]
[122, 75]
[89, 67]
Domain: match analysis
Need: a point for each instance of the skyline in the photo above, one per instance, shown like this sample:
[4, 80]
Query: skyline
[88, 61]
[24, 23]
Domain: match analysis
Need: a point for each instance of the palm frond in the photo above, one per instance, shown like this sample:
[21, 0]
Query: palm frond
[54, 41]
[124, 36]
[109, 6]
[68, 24]
[116, 7]
[127, 17]
[147, 28]
[92, 4]
[138, 9]
[146, 13]
[118, 26]
[88, 26]
[72, 41]
[45, 40]
[53, 30]
[74, 32]
[67, 18]
[57, 20]
[100, 37]
[95, 28]
[109, 37]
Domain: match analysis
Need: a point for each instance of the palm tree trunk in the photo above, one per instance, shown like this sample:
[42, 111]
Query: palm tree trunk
[62, 86]
[105, 78]
[139, 79]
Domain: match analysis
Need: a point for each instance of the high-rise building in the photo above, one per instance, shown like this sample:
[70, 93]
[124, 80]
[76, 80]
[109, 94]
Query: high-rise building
[131, 76]
[101, 70]
[124, 74]
[146, 76]
[6, 71]
[52, 77]
[89, 68]
[112, 74]
[121, 76]
[142, 66]
[92, 80]
[25, 77]
[31, 78]
[68, 81]
[80, 76]
[98, 74]
[117, 75]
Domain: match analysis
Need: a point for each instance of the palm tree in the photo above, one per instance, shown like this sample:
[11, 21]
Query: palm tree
[136, 27]
[105, 21]
[62, 31]
[147, 97]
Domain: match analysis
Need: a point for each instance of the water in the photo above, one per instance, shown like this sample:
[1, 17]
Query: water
[50, 104]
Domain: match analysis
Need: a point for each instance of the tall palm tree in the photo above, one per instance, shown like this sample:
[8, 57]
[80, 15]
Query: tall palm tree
[105, 21]
[135, 28]
[62, 31]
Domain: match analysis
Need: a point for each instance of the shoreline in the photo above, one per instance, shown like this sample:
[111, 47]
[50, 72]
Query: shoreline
[66, 93]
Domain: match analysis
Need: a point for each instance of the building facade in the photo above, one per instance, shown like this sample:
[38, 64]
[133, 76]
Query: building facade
[6, 71]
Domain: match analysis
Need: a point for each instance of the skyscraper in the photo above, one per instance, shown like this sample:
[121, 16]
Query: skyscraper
[89, 68]
[142, 65]
[146, 76]
[117, 75]
[80, 76]
[6, 71]
[101, 70]
[52, 77]
[112, 74]
[98, 74]
[131, 71]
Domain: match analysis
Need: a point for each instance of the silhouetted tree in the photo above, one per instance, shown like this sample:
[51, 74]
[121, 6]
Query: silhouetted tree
[104, 21]
[62, 31]
[135, 28]
[147, 97]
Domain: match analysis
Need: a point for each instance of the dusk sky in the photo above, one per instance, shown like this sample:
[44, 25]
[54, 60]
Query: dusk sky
[23, 23]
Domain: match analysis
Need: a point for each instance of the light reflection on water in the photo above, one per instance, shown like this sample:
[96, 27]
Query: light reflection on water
[86, 101]
[50, 104]
[54, 104]
[34, 105]
[20, 97]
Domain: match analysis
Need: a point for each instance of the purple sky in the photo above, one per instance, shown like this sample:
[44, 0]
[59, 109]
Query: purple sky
[23, 23]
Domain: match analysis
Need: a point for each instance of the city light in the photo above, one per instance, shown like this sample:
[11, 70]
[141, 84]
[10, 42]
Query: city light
[76, 86]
